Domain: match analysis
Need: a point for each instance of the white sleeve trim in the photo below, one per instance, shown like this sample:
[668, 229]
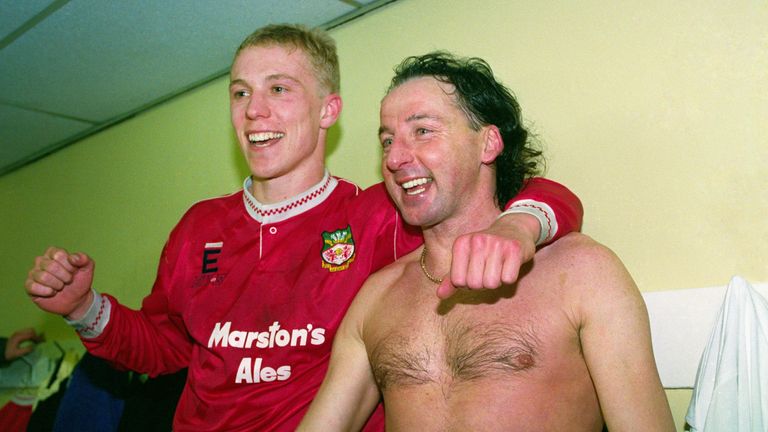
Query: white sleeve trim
[94, 321]
[541, 211]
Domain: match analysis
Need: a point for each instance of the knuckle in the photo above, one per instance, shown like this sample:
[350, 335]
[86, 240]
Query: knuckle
[461, 243]
[33, 290]
[478, 241]
[492, 281]
[49, 281]
[509, 277]
[458, 279]
[510, 250]
[515, 246]
[47, 266]
[474, 283]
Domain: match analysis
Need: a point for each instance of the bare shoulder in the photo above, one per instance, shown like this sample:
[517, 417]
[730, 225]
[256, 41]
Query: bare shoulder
[579, 252]
[588, 266]
[390, 273]
[377, 283]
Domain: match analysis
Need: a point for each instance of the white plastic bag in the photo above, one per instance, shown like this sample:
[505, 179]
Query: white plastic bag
[731, 390]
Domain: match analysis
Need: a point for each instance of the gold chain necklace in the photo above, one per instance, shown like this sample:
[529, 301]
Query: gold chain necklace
[424, 267]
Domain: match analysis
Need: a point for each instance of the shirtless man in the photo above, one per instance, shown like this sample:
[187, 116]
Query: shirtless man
[567, 347]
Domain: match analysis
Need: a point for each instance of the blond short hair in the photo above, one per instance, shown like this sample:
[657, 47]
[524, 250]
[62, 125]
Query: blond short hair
[316, 44]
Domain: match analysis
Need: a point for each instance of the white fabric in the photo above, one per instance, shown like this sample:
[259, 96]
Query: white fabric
[681, 321]
[95, 319]
[731, 390]
[541, 211]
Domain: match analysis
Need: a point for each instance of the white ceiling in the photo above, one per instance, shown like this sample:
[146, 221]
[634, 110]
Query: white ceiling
[69, 68]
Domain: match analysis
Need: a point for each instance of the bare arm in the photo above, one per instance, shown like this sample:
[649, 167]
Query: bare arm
[349, 393]
[616, 340]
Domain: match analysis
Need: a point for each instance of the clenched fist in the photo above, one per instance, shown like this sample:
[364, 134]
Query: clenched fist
[60, 283]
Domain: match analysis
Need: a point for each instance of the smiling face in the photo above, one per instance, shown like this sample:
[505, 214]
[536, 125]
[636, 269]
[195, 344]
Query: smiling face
[434, 165]
[280, 114]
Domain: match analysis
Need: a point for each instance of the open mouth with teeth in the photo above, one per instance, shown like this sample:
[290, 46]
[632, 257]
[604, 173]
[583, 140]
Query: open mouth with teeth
[416, 186]
[263, 139]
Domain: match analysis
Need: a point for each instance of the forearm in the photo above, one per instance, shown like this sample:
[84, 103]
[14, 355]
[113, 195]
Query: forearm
[555, 207]
[335, 409]
[349, 392]
[616, 342]
[141, 341]
[631, 365]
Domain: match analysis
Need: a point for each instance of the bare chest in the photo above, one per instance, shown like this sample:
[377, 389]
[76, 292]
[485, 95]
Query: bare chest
[507, 357]
[413, 338]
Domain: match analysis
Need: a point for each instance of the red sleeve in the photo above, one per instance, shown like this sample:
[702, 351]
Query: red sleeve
[562, 208]
[394, 238]
[152, 340]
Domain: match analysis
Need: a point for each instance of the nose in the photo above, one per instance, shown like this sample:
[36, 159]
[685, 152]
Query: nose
[397, 155]
[257, 107]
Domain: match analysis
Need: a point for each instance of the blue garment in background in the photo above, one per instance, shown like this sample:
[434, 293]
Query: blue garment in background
[95, 398]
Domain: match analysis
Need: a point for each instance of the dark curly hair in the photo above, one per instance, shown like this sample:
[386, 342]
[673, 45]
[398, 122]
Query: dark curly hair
[485, 101]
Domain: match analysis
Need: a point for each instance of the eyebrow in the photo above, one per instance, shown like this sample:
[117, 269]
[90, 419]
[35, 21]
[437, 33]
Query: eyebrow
[237, 82]
[413, 117]
[277, 77]
[273, 77]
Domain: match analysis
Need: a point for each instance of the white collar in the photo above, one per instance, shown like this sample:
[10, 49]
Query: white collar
[271, 213]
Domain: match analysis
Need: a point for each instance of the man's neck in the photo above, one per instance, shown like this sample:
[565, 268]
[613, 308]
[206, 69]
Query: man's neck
[439, 239]
[274, 190]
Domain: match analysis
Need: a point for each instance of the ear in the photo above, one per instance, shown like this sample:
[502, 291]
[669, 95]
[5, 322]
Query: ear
[493, 144]
[330, 111]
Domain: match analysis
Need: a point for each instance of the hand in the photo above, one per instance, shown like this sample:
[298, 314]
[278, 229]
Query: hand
[491, 258]
[16, 346]
[60, 283]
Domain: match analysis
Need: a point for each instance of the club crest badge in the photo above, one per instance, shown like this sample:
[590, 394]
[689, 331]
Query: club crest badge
[338, 249]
